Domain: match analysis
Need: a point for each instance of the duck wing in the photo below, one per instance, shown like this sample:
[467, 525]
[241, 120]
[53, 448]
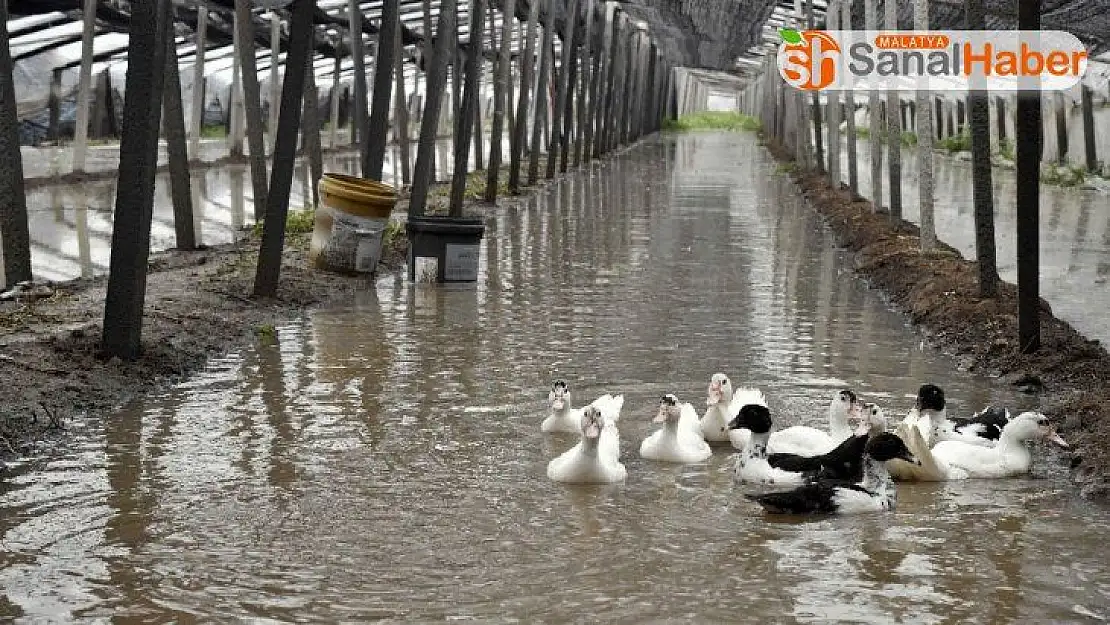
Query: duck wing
[813, 498]
[987, 423]
[928, 471]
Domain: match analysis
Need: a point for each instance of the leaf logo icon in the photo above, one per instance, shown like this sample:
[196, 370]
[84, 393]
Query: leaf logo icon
[789, 35]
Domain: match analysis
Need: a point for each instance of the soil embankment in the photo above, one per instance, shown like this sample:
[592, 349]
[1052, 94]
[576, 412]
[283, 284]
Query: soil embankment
[939, 291]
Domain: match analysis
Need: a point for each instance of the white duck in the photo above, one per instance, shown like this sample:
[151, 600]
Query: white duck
[714, 423]
[803, 440]
[752, 466]
[875, 493]
[676, 441]
[596, 458]
[1010, 457]
[564, 418]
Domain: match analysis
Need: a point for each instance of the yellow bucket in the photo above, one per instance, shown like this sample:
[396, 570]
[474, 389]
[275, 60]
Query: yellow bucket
[350, 222]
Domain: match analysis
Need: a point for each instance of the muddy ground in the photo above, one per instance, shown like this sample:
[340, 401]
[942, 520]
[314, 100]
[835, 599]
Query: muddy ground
[939, 291]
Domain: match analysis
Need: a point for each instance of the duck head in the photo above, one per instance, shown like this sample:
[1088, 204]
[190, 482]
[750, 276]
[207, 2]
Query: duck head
[752, 417]
[1034, 426]
[559, 396]
[720, 390]
[886, 446]
[845, 405]
[669, 410]
[592, 423]
[930, 397]
[872, 420]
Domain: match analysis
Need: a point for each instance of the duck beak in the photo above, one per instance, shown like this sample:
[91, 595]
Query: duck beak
[714, 394]
[1055, 439]
[592, 430]
[863, 428]
[558, 401]
[661, 416]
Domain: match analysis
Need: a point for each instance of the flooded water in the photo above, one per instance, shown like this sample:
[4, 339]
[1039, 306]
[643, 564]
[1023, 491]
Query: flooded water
[384, 461]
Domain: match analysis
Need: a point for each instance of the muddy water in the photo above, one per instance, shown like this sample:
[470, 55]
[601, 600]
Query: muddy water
[384, 460]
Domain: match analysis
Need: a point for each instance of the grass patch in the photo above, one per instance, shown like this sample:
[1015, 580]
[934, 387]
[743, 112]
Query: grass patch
[786, 168]
[956, 143]
[713, 120]
[213, 132]
[1006, 149]
[297, 221]
[1064, 175]
[909, 138]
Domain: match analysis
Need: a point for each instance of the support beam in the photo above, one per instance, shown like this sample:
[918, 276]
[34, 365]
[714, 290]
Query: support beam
[924, 128]
[197, 121]
[297, 60]
[361, 121]
[1029, 144]
[527, 71]
[275, 77]
[565, 71]
[138, 152]
[850, 113]
[501, 100]
[180, 182]
[429, 121]
[541, 97]
[15, 237]
[1089, 129]
[894, 127]
[252, 102]
[310, 125]
[467, 112]
[400, 108]
[374, 146]
[872, 23]
[84, 86]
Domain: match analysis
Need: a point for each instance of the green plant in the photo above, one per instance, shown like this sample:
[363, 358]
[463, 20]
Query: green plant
[786, 168]
[393, 230]
[909, 137]
[266, 332]
[1064, 175]
[213, 132]
[297, 221]
[713, 120]
[1006, 149]
[956, 143]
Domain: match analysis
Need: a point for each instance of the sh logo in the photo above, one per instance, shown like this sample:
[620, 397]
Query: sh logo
[807, 59]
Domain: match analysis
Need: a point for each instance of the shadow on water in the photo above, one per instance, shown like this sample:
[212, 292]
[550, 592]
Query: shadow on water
[382, 460]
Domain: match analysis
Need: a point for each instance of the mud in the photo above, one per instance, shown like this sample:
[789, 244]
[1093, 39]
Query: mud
[939, 292]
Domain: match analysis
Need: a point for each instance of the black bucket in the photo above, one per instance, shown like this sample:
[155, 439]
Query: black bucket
[453, 242]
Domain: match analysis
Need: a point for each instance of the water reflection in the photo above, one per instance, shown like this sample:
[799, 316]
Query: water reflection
[382, 460]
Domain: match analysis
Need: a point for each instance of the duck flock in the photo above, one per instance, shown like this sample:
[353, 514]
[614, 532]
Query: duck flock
[800, 469]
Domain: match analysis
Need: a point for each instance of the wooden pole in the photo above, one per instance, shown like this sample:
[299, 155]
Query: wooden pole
[527, 70]
[333, 100]
[466, 112]
[180, 182]
[894, 127]
[501, 100]
[298, 61]
[310, 126]
[15, 237]
[1029, 143]
[925, 145]
[197, 121]
[374, 146]
[541, 95]
[1061, 129]
[126, 292]
[400, 107]
[358, 56]
[872, 23]
[564, 84]
[429, 122]
[275, 77]
[603, 119]
[833, 97]
[566, 136]
[850, 114]
[585, 91]
[252, 101]
[84, 86]
[1089, 129]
